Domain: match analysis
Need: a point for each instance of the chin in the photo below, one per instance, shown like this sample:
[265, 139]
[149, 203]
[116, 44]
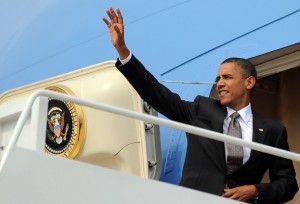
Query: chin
[224, 103]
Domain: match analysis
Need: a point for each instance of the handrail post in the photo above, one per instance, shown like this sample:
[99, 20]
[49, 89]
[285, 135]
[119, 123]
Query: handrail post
[18, 128]
[39, 122]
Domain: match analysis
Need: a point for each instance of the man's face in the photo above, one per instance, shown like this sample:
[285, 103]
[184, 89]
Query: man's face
[232, 87]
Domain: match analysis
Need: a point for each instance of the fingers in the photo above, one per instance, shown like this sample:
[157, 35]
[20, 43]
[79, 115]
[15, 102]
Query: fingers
[242, 193]
[113, 16]
[230, 194]
[120, 17]
[106, 22]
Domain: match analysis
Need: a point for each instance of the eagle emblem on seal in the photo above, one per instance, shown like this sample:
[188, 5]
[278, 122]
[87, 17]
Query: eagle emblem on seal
[56, 122]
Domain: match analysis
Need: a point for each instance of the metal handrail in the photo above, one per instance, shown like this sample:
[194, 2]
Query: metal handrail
[128, 113]
[187, 82]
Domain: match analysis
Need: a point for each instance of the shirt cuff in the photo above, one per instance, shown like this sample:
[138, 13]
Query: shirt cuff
[124, 61]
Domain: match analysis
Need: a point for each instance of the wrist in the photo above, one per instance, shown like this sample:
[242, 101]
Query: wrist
[123, 51]
[256, 193]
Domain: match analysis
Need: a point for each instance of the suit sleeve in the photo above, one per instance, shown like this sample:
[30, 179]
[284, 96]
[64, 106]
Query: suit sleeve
[283, 185]
[158, 96]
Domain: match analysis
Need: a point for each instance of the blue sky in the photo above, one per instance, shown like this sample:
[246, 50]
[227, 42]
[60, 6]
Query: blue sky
[42, 39]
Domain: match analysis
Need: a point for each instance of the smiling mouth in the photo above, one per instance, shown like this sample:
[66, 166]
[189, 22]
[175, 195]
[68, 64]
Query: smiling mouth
[221, 93]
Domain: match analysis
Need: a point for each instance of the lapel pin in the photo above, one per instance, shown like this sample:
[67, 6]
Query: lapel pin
[261, 129]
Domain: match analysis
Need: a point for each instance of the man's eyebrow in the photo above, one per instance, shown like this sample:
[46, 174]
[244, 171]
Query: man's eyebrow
[227, 75]
[223, 75]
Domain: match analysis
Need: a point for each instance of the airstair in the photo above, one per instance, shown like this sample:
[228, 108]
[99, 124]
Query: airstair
[31, 172]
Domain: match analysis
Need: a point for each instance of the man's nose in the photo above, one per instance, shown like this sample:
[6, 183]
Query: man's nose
[220, 82]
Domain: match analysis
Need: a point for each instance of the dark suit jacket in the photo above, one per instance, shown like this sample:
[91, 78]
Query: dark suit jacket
[205, 167]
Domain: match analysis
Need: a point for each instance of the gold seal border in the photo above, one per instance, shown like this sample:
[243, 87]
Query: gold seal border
[72, 151]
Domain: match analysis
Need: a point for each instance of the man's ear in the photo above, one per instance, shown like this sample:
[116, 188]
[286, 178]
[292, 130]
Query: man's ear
[250, 82]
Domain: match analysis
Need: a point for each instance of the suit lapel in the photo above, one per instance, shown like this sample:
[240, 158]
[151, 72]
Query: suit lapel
[259, 131]
[218, 145]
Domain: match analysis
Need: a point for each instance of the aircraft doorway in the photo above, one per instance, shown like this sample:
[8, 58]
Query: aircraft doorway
[277, 96]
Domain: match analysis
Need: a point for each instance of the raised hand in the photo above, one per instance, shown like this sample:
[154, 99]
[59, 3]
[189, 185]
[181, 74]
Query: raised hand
[116, 29]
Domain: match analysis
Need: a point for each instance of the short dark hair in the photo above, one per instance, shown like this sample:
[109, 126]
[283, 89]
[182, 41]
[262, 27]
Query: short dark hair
[247, 67]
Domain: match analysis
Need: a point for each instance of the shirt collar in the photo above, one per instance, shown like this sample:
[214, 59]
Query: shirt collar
[245, 113]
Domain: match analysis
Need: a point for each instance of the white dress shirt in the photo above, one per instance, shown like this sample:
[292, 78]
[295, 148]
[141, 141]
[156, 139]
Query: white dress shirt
[246, 123]
[124, 61]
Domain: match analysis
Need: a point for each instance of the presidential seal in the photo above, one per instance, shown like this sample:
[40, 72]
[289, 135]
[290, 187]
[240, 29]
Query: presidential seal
[65, 126]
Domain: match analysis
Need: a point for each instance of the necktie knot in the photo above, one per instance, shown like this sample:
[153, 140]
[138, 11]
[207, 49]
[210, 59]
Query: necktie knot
[234, 115]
